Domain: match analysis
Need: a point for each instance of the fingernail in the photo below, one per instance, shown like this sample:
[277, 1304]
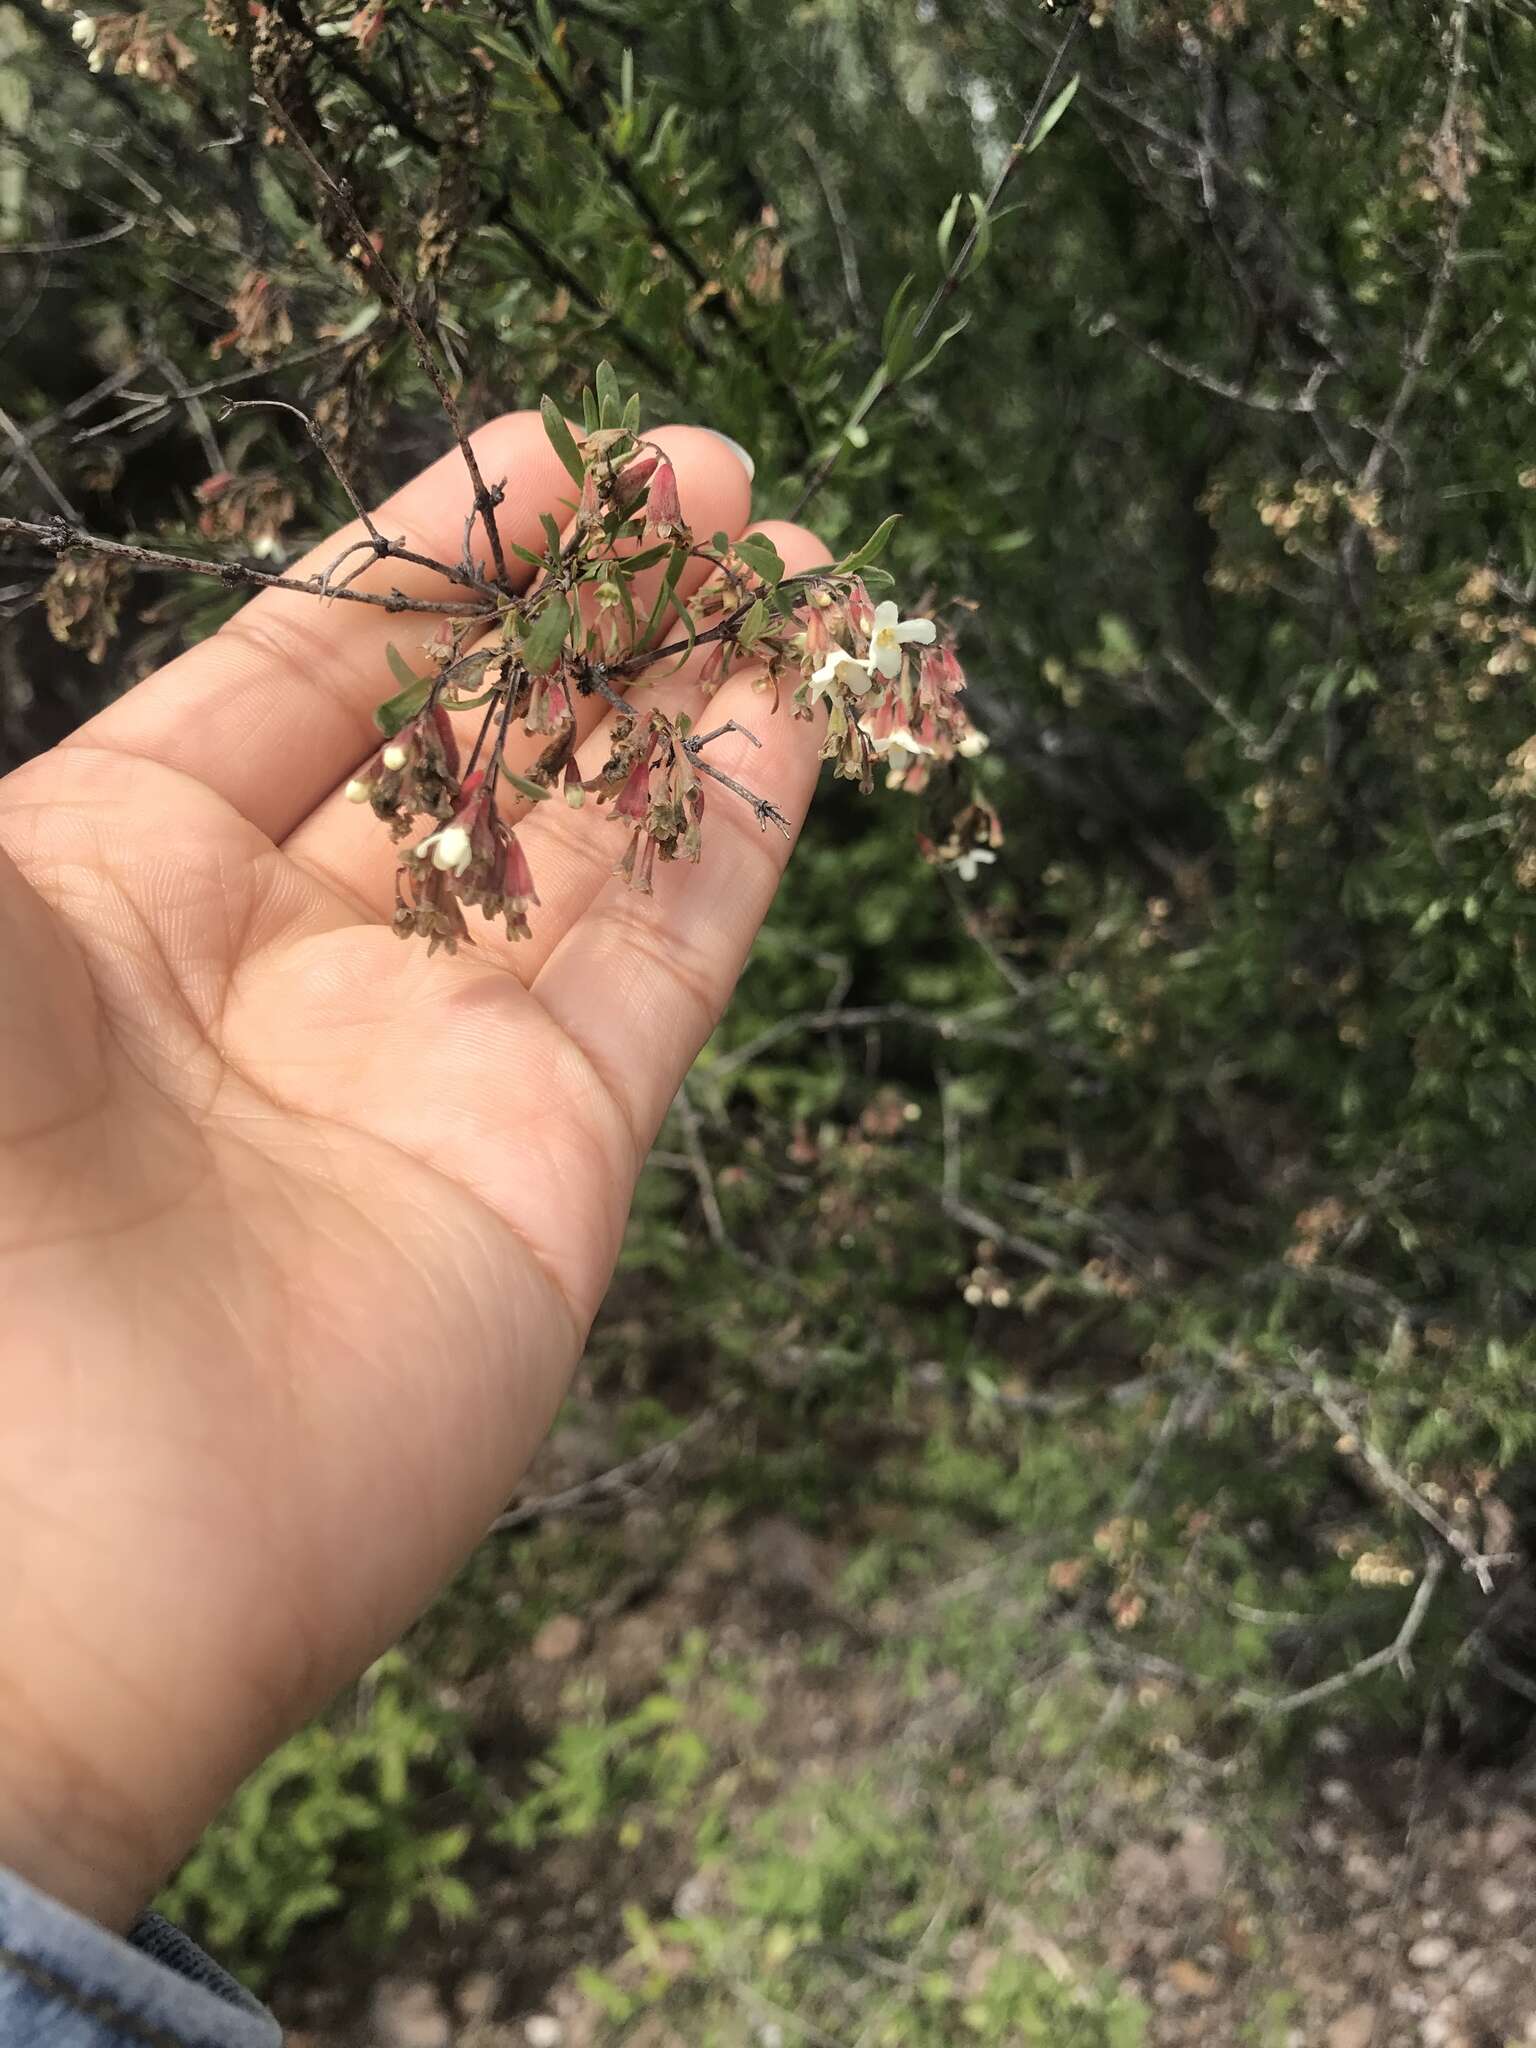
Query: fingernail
[737, 450]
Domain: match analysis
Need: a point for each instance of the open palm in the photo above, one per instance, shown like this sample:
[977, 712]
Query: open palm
[301, 1231]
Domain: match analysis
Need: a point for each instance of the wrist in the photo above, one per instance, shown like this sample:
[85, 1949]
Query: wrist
[65, 1831]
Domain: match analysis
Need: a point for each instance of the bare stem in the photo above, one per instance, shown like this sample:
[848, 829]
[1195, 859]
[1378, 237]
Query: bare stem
[382, 547]
[65, 537]
[378, 274]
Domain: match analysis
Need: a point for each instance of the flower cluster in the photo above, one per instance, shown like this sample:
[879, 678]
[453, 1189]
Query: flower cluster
[473, 859]
[131, 45]
[890, 686]
[653, 782]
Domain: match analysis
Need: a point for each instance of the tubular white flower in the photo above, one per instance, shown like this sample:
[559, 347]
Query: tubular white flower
[899, 741]
[890, 633]
[841, 667]
[395, 758]
[84, 31]
[972, 861]
[974, 743]
[448, 849]
[358, 791]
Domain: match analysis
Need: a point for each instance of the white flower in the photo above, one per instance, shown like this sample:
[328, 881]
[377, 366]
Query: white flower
[889, 635]
[974, 858]
[358, 791]
[841, 667]
[395, 758]
[901, 740]
[84, 31]
[974, 743]
[449, 849]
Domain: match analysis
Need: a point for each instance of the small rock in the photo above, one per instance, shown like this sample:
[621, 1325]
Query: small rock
[1353, 2029]
[1189, 1980]
[1498, 1899]
[477, 1994]
[1431, 1951]
[1141, 1871]
[1202, 1859]
[559, 1638]
[409, 2016]
[543, 2031]
[1364, 1871]
[1509, 1833]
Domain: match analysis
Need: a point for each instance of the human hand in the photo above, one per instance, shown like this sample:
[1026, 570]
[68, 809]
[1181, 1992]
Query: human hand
[301, 1231]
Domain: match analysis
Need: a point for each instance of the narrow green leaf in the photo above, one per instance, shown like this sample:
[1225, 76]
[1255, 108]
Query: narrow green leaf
[895, 310]
[983, 224]
[395, 712]
[675, 568]
[400, 668]
[610, 405]
[941, 344]
[561, 439]
[947, 225]
[535, 791]
[546, 636]
[873, 547]
[1054, 112]
[752, 627]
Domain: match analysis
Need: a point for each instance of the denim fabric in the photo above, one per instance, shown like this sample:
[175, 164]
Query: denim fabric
[65, 1982]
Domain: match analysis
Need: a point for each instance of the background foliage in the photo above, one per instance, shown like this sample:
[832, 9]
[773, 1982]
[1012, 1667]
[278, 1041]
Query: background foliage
[1153, 1212]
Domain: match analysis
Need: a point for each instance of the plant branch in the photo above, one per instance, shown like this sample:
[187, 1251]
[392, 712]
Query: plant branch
[949, 283]
[64, 536]
[376, 270]
[1396, 1652]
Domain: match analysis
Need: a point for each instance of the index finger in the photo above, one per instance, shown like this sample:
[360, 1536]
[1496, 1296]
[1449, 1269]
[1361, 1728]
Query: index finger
[276, 708]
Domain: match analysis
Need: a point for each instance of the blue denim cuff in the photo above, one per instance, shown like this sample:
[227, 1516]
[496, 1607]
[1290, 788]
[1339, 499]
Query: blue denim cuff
[68, 1983]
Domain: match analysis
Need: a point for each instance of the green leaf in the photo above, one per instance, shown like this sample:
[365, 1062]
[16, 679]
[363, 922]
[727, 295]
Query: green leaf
[395, 712]
[561, 439]
[1054, 112]
[947, 225]
[939, 346]
[983, 229]
[872, 548]
[400, 668]
[546, 636]
[752, 627]
[762, 557]
[610, 403]
[894, 312]
[675, 568]
[536, 791]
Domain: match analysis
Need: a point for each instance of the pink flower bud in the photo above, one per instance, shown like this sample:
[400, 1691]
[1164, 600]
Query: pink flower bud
[574, 788]
[443, 726]
[663, 507]
[818, 639]
[634, 799]
[517, 876]
[861, 612]
[633, 479]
